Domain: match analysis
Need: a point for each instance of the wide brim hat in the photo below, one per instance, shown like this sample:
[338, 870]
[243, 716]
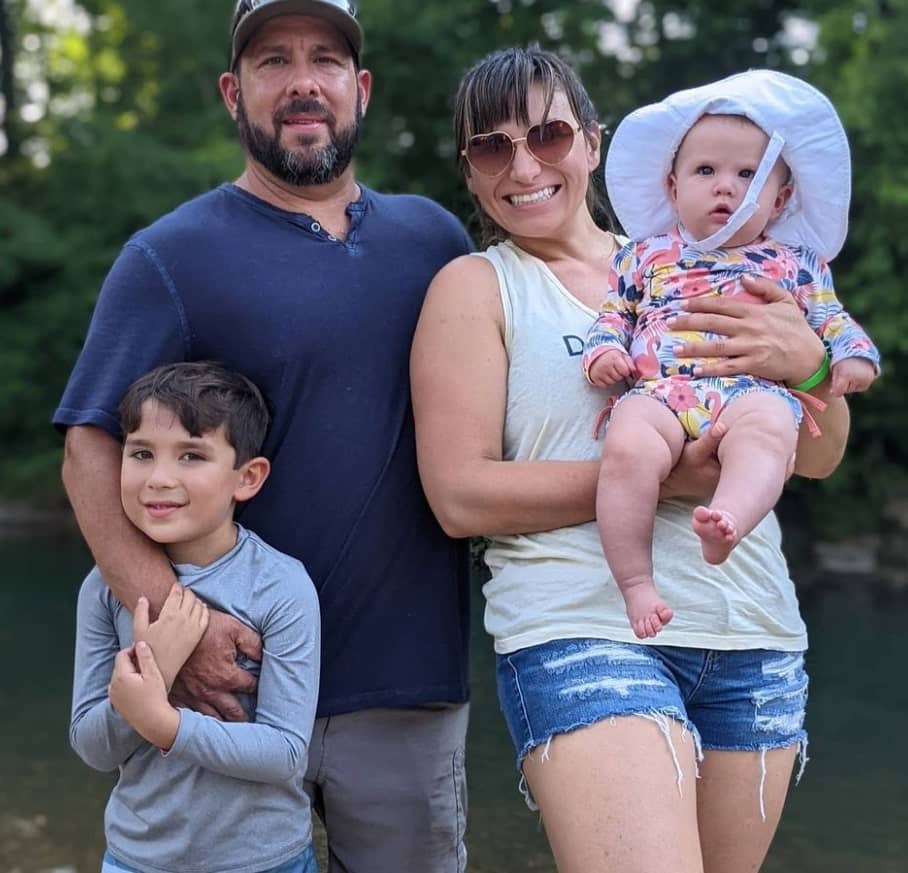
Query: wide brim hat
[250, 15]
[815, 148]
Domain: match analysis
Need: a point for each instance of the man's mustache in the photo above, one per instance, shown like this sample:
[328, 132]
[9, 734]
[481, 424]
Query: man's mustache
[305, 107]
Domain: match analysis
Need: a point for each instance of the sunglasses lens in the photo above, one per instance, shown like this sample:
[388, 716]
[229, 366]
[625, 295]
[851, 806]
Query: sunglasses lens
[550, 142]
[490, 153]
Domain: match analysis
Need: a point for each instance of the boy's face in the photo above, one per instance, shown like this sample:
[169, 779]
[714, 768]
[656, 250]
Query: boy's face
[713, 170]
[180, 490]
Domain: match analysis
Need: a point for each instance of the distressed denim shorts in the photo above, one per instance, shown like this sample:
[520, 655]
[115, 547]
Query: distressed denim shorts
[749, 700]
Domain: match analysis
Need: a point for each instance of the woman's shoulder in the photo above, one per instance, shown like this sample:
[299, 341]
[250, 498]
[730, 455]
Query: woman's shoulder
[465, 273]
[469, 285]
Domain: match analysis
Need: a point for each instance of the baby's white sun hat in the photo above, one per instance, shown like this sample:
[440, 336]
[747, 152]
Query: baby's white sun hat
[803, 127]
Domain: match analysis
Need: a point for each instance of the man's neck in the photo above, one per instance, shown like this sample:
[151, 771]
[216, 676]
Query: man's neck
[326, 203]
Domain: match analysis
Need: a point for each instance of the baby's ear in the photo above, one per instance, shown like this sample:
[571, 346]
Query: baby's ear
[671, 185]
[252, 476]
[782, 198]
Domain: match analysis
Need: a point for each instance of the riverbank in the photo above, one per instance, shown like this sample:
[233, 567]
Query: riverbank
[846, 815]
[22, 519]
[872, 562]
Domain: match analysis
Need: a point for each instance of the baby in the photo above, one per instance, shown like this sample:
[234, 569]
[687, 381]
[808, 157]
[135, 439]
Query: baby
[730, 179]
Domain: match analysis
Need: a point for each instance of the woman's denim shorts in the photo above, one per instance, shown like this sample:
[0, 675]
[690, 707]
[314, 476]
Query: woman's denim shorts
[750, 700]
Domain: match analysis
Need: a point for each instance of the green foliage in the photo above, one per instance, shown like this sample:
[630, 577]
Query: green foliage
[860, 65]
[135, 125]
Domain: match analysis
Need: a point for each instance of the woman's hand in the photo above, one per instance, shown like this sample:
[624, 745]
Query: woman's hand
[772, 341]
[697, 472]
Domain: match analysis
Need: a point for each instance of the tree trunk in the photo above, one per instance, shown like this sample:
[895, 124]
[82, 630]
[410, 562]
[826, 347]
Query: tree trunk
[7, 80]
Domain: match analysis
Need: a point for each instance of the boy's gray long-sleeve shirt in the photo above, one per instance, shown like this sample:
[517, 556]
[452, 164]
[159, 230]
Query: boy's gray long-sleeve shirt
[227, 796]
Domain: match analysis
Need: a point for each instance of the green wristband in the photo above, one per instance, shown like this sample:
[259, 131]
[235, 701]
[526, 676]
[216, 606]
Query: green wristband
[815, 379]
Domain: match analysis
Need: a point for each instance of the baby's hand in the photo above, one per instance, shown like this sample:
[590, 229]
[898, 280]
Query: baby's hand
[611, 367]
[851, 375]
[173, 637]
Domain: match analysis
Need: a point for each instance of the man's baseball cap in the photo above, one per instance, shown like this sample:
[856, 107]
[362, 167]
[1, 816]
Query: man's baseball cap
[250, 15]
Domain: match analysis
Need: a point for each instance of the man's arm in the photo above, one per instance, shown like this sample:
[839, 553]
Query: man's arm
[134, 566]
[131, 564]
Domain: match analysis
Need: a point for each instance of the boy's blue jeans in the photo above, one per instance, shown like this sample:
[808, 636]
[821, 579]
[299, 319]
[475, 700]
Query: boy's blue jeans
[303, 863]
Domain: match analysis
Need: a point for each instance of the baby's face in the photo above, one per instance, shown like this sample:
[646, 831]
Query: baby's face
[713, 169]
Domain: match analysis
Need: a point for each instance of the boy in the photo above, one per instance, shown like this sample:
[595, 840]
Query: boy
[699, 180]
[195, 793]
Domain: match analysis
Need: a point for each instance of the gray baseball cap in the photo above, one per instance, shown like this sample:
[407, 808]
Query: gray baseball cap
[250, 15]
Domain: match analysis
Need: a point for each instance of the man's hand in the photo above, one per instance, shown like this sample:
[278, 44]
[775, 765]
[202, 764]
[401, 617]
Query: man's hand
[210, 678]
[611, 367]
[772, 341]
[176, 632]
[138, 693]
[697, 472]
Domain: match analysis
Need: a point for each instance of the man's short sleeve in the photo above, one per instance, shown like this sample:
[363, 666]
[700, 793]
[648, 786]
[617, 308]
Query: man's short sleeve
[138, 324]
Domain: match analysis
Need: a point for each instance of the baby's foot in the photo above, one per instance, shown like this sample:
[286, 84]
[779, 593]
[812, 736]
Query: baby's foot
[647, 611]
[173, 637]
[718, 532]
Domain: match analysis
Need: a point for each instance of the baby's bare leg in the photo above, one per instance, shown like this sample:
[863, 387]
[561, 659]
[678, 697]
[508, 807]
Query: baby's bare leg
[642, 444]
[755, 454]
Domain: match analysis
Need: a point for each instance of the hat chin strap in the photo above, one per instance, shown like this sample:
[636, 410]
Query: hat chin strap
[749, 204]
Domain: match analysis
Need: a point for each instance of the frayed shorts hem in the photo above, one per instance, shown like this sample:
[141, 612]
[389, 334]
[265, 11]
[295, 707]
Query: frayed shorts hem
[743, 700]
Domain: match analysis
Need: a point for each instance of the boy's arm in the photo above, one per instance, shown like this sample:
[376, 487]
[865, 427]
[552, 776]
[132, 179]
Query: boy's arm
[100, 737]
[273, 748]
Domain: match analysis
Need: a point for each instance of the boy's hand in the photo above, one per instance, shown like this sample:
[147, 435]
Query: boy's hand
[851, 375]
[210, 678]
[138, 693]
[174, 635]
[612, 366]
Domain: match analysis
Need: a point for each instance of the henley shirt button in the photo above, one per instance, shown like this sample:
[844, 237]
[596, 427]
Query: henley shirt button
[316, 227]
[332, 238]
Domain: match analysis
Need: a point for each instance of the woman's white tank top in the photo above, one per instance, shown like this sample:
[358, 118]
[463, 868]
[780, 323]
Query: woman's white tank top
[556, 584]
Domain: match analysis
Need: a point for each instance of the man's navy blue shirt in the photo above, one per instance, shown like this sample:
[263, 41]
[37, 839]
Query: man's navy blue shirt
[323, 327]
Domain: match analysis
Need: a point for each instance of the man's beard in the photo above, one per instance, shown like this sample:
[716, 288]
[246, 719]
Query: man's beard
[308, 164]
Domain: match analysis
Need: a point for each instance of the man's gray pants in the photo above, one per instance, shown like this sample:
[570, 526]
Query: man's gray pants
[390, 788]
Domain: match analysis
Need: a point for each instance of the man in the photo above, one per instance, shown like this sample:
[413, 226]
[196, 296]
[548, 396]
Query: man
[310, 284]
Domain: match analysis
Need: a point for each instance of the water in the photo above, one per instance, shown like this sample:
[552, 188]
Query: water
[849, 815]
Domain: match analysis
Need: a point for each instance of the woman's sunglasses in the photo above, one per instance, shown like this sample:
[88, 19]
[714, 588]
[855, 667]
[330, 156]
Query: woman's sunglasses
[491, 153]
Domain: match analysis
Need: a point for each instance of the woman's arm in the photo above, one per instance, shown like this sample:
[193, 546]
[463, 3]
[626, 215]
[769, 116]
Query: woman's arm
[774, 342]
[458, 371]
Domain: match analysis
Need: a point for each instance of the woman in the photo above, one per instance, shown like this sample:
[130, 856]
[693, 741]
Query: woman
[610, 733]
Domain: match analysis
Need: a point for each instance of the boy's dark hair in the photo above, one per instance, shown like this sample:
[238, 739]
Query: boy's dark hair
[203, 395]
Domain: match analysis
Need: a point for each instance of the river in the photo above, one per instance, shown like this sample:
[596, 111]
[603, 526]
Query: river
[848, 815]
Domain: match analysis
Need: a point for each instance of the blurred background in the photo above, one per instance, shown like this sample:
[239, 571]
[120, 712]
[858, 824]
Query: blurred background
[110, 116]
